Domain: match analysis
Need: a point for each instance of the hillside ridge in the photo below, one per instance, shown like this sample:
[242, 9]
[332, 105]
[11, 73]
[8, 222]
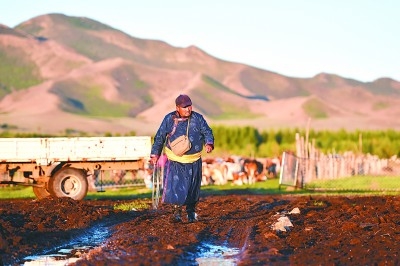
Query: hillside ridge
[62, 72]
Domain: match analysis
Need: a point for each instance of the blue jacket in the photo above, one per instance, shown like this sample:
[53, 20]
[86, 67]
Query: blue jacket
[199, 132]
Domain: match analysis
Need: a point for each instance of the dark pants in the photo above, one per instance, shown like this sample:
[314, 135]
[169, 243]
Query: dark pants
[182, 184]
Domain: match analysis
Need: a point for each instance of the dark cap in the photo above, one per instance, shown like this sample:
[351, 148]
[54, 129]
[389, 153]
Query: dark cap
[183, 100]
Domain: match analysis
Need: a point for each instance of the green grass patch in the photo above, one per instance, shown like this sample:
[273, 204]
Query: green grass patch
[132, 206]
[208, 101]
[318, 203]
[352, 186]
[16, 192]
[96, 105]
[358, 183]
[315, 109]
[15, 72]
[222, 111]
[380, 106]
[121, 193]
[233, 112]
[33, 29]
[87, 99]
[267, 187]
[87, 24]
[217, 85]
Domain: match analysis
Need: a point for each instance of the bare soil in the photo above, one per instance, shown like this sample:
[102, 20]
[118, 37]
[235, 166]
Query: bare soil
[331, 230]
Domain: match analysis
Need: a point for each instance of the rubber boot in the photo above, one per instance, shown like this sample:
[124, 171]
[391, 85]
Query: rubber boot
[177, 214]
[191, 213]
[192, 217]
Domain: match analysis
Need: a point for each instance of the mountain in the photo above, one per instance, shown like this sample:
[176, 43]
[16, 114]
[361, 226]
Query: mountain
[63, 73]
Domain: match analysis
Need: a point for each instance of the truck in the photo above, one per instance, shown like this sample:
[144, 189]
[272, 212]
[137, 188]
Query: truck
[60, 166]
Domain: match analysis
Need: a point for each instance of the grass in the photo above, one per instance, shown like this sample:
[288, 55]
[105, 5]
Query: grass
[380, 105]
[315, 109]
[16, 192]
[16, 73]
[227, 110]
[132, 206]
[359, 185]
[232, 112]
[85, 98]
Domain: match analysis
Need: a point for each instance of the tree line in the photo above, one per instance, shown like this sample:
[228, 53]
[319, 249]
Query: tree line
[251, 142]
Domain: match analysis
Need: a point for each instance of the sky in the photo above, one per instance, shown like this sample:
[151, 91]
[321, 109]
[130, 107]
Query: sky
[357, 39]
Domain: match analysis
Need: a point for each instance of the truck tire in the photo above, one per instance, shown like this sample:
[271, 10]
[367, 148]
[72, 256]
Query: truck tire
[69, 182]
[41, 192]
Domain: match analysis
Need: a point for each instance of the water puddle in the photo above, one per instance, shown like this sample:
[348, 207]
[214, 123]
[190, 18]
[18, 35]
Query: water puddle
[68, 253]
[210, 255]
[63, 257]
[71, 251]
[206, 255]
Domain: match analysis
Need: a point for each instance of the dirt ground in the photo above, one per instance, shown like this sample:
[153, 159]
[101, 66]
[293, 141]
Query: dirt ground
[265, 230]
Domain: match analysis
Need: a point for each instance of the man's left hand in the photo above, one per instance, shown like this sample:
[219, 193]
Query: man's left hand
[209, 148]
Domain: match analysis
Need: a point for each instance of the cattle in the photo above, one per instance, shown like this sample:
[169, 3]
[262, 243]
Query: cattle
[238, 170]
[254, 170]
[272, 166]
[213, 172]
[206, 178]
[239, 178]
[231, 170]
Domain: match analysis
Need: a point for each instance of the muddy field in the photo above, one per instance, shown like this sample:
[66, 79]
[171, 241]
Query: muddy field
[246, 229]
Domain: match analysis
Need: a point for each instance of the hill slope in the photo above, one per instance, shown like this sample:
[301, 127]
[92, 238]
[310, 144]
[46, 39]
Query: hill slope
[64, 72]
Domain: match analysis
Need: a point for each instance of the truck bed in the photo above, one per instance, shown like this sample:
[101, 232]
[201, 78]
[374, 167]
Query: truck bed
[46, 150]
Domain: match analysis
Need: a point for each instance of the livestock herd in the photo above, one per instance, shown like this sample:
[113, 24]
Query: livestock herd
[239, 170]
[216, 171]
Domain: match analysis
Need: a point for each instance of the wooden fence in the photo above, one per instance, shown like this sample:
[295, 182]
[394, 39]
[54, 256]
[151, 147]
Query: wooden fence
[308, 164]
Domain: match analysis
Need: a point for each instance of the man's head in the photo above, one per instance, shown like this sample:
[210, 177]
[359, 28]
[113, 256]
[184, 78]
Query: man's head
[183, 105]
[183, 100]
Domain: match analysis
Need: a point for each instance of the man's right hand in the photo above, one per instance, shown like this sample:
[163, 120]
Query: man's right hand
[153, 159]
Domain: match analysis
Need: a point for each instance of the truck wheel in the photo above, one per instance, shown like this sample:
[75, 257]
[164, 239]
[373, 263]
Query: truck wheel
[41, 192]
[69, 182]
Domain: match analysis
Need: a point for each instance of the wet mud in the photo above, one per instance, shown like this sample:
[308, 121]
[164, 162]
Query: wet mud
[246, 229]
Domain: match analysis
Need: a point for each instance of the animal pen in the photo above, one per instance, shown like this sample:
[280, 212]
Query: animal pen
[309, 168]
